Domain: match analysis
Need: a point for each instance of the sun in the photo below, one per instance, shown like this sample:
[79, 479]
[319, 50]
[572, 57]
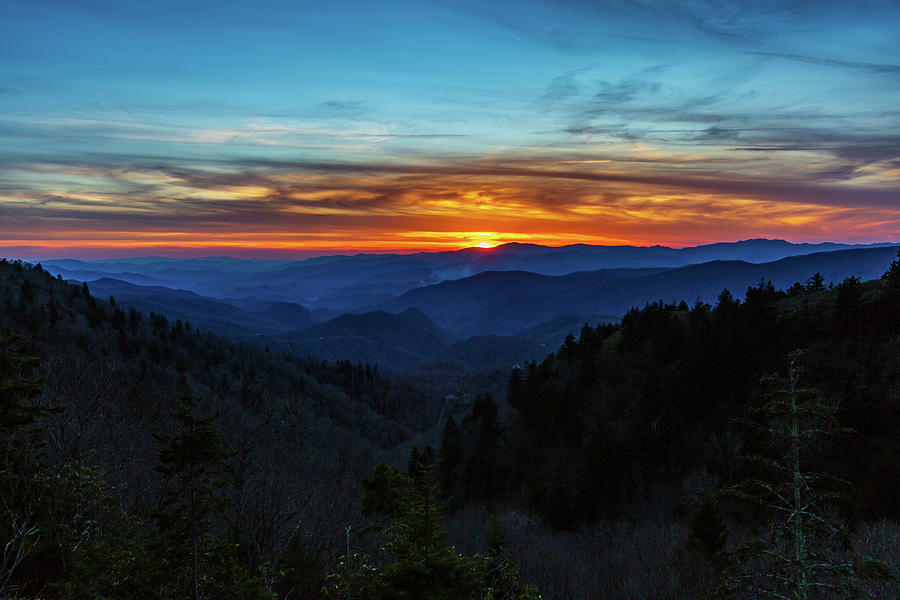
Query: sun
[485, 245]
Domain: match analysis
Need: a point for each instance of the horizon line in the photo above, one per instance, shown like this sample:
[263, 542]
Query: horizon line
[281, 254]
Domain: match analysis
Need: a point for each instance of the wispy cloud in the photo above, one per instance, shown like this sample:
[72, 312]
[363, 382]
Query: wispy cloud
[253, 198]
[887, 68]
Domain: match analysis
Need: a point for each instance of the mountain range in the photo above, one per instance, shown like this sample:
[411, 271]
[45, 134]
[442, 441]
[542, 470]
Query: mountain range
[344, 283]
[402, 310]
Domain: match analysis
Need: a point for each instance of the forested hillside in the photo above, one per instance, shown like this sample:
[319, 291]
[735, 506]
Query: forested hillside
[143, 458]
[659, 423]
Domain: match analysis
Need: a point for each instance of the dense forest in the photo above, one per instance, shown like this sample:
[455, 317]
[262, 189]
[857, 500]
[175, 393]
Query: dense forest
[742, 448]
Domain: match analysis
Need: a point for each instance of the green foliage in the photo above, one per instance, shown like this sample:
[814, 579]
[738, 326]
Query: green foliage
[19, 387]
[99, 550]
[63, 526]
[892, 275]
[422, 565]
[301, 570]
[815, 283]
[384, 490]
[707, 530]
[191, 459]
[804, 548]
[450, 454]
[416, 563]
[848, 307]
[614, 425]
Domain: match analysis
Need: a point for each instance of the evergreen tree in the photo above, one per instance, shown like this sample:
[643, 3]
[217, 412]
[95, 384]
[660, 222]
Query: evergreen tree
[892, 275]
[450, 453]
[190, 459]
[417, 563]
[815, 283]
[515, 388]
[707, 530]
[415, 462]
[483, 475]
[423, 565]
[889, 301]
[383, 491]
[805, 550]
[484, 413]
[19, 387]
[847, 307]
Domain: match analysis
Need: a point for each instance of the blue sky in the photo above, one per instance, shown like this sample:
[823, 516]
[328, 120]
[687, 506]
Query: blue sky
[288, 126]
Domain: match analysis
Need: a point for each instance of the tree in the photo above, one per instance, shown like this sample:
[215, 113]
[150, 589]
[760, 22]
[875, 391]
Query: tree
[890, 298]
[815, 283]
[383, 491]
[892, 275]
[19, 387]
[848, 307]
[483, 476]
[515, 387]
[190, 460]
[62, 528]
[416, 561]
[450, 453]
[423, 565]
[805, 549]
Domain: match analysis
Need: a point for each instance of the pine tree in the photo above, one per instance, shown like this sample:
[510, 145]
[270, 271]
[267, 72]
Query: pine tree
[889, 302]
[848, 307]
[483, 476]
[892, 275]
[383, 491]
[450, 454]
[805, 552]
[19, 386]
[415, 462]
[423, 565]
[190, 460]
[416, 563]
[515, 388]
[815, 283]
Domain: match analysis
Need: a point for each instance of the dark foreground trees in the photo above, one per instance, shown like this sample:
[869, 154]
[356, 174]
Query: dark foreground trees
[64, 530]
[802, 549]
[415, 562]
[193, 539]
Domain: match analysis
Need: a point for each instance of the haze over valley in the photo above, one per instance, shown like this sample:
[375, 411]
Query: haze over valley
[400, 310]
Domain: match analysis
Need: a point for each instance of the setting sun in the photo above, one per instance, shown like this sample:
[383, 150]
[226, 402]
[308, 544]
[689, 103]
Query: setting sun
[485, 245]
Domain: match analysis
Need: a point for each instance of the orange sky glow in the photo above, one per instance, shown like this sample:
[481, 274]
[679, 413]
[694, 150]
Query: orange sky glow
[290, 209]
[274, 212]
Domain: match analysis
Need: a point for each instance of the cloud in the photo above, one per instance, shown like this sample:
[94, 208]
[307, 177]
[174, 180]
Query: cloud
[559, 89]
[255, 193]
[886, 68]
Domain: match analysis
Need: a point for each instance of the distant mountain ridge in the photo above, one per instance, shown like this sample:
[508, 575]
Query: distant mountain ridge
[383, 316]
[398, 340]
[341, 283]
[506, 303]
[205, 312]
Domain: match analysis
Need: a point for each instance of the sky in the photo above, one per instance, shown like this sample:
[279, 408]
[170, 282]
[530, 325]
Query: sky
[288, 128]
